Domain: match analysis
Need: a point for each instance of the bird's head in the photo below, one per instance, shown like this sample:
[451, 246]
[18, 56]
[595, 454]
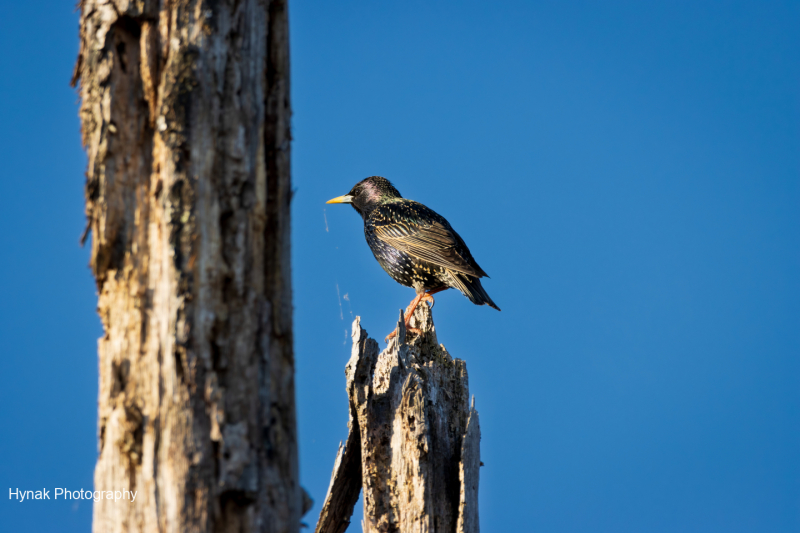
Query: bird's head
[368, 194]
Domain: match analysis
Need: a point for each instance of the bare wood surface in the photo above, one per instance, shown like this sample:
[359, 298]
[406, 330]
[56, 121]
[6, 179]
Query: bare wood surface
[419, 439]
[185, 119]
[344, 488]
[469, 474]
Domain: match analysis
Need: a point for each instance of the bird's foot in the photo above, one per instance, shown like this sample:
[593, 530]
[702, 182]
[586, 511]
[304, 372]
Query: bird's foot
[407, 315]
[393, 334]
[426, 297]
[421, 297]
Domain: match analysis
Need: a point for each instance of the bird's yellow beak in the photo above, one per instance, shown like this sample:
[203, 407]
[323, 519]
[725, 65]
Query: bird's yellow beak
[341, 200]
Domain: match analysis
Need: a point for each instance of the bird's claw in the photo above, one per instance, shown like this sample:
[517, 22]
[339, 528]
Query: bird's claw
[428, 298]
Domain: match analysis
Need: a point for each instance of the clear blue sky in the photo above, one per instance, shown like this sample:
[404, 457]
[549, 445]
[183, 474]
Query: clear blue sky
[627, 172]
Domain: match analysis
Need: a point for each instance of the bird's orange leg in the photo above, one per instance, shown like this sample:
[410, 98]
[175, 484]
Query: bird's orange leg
[424, 296]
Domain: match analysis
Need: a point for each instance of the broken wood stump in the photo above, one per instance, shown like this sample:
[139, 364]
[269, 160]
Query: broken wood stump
[413, 442]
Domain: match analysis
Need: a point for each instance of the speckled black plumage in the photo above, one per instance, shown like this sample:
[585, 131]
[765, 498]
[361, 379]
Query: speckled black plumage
[415, 245]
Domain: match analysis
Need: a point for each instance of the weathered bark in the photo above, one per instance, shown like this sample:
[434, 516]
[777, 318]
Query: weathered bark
[185, 117]
[414, 442]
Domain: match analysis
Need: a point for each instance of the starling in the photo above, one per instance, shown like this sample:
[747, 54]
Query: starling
[415, 245]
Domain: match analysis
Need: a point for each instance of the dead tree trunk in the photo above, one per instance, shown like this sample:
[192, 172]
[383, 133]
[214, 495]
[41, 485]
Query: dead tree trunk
[414, 441]
[185, 117]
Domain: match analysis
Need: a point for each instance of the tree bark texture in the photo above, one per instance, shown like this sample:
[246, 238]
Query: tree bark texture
[414, 440]
[186, 121]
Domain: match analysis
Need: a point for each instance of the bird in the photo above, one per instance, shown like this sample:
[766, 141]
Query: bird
[415, 245]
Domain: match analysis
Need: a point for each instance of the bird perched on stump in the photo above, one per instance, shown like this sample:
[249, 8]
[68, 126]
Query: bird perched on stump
[414, 244]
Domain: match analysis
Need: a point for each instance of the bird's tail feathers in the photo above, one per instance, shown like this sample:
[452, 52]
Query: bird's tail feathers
[472, 289]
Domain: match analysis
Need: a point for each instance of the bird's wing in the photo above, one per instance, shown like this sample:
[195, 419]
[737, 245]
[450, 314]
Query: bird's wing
[417, 230]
